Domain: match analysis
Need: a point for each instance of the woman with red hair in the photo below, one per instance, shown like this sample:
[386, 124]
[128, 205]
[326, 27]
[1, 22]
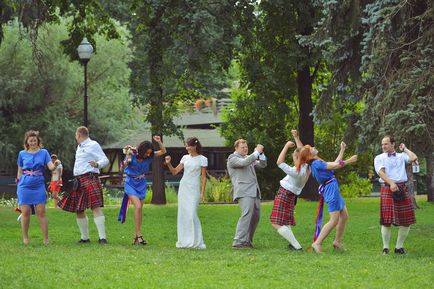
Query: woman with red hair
[282, 215]
[323, 172]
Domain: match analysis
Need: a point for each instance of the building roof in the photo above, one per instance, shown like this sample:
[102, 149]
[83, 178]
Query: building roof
[197, 118]
[207, 137]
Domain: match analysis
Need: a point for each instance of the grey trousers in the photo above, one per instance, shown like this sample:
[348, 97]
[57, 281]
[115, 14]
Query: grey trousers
[250, 213]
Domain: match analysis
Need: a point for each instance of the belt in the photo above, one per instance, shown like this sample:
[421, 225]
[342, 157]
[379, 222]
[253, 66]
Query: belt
[387, 185]
[33, 173]
[142, 176]
[321, 188]
[89, 174]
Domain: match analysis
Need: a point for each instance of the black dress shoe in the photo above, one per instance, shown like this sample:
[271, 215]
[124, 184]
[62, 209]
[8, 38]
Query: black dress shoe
[385, 251]
[83, 241]
[292, 248]
[102, 241]
[242, 246]
[400, 251]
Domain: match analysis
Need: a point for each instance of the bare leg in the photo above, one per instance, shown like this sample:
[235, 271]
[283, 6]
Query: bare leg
[25, 221]
[138, 209]
[340, 228]
[334, 219]
[56, 198]
[43, 222]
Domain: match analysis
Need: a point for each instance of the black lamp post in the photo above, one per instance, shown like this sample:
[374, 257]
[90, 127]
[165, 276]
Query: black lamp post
[85, 50]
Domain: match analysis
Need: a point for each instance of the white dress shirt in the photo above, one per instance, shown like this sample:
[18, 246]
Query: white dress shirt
[294, 181]
[87, 151]
[394, 166]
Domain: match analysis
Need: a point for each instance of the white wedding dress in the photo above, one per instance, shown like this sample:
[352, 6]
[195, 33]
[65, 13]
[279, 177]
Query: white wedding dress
[189, 228]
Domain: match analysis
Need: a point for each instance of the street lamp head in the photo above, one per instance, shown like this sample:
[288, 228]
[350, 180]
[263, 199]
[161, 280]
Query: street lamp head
[85, 50]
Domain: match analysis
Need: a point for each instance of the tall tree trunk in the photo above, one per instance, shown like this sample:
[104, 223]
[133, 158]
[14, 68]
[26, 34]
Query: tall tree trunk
[305, 124]
[156, 110]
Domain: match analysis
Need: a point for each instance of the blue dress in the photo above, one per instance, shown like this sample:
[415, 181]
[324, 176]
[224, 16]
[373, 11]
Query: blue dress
[331, 193]
[31, 188]
[137, 186]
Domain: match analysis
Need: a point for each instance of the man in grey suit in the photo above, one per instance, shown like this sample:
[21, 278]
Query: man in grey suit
[241, 169]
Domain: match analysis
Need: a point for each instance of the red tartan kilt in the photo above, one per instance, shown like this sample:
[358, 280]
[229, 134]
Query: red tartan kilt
[398, 213]
[283, 209]
[89, 195]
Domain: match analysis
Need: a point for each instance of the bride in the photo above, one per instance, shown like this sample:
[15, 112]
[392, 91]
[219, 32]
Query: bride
[191, 188]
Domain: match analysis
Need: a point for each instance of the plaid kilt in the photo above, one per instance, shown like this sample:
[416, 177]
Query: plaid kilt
[283, 209]
[398, 213]
[88, 195]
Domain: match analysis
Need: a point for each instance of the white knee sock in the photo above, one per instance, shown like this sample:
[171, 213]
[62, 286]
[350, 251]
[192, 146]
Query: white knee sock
[84, 228]
[100, 225]
[402, 235]
[286, 232]
[385, 234]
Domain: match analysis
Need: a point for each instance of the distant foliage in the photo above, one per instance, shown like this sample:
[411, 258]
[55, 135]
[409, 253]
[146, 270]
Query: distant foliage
[45, 93]
[218, 190]
[355, 186]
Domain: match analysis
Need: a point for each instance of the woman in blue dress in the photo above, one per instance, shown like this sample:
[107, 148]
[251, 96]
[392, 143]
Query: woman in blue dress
[323, 172]
[30, 183]
[136, 165]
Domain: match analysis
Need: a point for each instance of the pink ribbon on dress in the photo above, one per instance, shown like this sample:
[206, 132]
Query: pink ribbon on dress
[33, 173]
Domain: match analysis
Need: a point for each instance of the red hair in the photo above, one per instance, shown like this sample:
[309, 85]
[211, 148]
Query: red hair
[303, 157]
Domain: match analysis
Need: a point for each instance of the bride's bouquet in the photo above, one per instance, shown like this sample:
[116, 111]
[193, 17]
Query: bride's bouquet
[129, 151]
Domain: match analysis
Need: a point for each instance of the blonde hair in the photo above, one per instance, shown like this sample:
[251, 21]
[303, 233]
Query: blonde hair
[238, 142]
[83, 131]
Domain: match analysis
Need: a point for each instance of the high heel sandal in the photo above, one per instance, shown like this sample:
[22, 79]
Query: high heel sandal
[313, 248]
[138, 240]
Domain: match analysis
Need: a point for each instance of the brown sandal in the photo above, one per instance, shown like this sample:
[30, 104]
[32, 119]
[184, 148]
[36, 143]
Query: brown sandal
[138, 240]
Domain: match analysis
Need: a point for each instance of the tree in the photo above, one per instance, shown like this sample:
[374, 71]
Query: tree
[381, 53]
[174, 44]
[277, 76]
[53, 103]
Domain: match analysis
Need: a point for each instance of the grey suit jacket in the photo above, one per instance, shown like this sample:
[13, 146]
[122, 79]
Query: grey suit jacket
[243, 176]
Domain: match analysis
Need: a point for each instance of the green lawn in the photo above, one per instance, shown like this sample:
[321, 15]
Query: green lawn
[65, 264]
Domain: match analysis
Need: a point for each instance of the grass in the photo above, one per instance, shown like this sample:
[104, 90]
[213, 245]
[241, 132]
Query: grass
[65, 264]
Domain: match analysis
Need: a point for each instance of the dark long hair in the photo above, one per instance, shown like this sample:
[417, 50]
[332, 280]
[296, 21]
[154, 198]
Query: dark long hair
[143, 147]
[194, 142]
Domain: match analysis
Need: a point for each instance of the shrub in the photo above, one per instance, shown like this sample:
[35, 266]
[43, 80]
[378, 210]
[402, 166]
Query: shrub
[171, 195]
[10, 203]
[354, 186]
[218, 190]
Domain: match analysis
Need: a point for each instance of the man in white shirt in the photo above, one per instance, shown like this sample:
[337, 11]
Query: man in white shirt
[246, 192]
[396, 204]
[87, 191]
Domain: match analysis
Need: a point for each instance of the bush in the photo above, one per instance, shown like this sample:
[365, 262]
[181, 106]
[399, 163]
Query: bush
[171, 195]
[354, 186]
[218, 190]
[9, 203]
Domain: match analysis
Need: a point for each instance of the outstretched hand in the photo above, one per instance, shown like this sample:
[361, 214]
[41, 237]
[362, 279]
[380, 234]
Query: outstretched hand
[167, 160]
[259, 148]
[294, 133]
[156, 138]
[343, 146]
[353, 159]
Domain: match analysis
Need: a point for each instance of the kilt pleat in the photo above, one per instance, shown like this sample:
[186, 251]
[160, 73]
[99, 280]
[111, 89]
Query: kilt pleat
[398, 213]
[283, 209]
[88, 195]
